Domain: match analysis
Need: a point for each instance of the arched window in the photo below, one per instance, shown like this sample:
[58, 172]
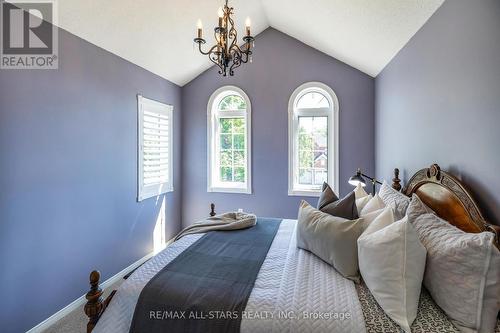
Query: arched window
[229, 154]
[313, 139]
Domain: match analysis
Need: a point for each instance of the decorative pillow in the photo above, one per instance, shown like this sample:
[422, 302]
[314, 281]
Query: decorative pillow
[361, 202]
[392, 264]
[417, 208]
[394, 199]
[370, 217]
[327, 196]
[462, 272]
[360, 191]
[331, 238]
[383, 218]
[345, 207]
[374, 204]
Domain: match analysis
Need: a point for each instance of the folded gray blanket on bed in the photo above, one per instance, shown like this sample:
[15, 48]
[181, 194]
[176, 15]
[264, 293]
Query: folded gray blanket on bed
[206, 288]
[226, 221]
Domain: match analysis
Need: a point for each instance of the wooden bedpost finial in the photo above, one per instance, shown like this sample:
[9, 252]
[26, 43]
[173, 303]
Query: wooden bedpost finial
[212, 209]
[396, 181]
[94, 305]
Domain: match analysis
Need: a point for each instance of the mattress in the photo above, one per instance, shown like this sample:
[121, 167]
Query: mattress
[294, 292]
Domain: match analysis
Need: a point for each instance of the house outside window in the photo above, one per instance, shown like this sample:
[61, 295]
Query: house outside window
[229, 141]
[313, 139]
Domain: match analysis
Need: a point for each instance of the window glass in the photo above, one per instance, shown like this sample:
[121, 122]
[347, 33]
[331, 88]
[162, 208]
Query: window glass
[232, 149]
[312, 139]
[313, 150]
[229, 135]
[232, 102]
[313, 100]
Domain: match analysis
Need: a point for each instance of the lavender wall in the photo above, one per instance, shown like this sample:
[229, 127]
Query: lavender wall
[68, 177]
[280, 65]
[439, 100]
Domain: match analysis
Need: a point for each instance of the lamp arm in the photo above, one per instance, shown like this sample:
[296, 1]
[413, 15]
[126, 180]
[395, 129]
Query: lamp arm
[371, 178]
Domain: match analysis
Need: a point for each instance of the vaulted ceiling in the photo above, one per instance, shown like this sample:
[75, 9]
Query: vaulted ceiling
[158, 34]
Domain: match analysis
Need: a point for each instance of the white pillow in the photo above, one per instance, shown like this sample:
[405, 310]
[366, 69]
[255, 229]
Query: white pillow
[384, 217]
[361, 202]
[360, 192]
[462, 273]
[370, 217]
[392, 264]
[417, 208]
[395, 199]
[374, 204]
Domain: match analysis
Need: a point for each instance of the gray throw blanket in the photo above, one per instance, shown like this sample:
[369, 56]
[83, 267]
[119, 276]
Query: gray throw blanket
[206, 287]
[226, 221]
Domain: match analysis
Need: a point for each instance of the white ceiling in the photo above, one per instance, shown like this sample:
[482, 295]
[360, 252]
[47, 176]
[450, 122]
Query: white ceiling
[158, 34]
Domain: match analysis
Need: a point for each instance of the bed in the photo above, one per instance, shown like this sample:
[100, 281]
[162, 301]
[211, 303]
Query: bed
[295, 291]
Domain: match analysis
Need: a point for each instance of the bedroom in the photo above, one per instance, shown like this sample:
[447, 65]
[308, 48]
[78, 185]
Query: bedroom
[401, 84]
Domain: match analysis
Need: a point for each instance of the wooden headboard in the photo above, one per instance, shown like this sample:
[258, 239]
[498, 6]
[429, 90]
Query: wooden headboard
[451, 201]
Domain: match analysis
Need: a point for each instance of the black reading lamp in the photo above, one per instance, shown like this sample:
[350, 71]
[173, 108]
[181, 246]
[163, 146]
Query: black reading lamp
[358, 179]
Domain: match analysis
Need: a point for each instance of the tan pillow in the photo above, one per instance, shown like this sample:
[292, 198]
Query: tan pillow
[331, 238]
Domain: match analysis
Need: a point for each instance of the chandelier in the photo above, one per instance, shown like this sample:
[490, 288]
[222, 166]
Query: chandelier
[226, 53]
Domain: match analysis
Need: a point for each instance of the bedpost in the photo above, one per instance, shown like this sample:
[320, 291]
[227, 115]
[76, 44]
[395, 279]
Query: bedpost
[212, 209]
[396, 181]
[94, 306]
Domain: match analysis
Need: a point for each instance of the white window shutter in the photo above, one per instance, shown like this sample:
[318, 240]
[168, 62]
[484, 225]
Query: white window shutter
[154, 148]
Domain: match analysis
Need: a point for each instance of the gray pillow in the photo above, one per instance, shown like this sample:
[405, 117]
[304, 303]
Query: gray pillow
[462, 272]
[331, 238]
[345, 207]
[327, 196]
[394, 199]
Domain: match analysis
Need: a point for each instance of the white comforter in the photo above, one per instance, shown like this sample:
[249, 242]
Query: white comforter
[294, 292]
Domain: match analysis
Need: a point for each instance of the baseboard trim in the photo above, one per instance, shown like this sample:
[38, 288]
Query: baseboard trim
[79, 302]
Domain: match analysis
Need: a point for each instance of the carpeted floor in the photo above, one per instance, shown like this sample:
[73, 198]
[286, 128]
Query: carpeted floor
[76, 321]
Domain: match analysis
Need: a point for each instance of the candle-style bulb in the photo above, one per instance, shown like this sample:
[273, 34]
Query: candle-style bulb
[247, 25]
[199, 25]
[220, 12]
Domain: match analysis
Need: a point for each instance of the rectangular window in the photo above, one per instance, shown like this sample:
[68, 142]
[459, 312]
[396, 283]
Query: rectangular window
[154, 148]
[313, 151]
[232, 152]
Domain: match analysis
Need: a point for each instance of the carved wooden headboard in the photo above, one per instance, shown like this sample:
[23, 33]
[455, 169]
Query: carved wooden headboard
[451, 201]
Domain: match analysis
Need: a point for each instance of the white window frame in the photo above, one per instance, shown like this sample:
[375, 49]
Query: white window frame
[152, 190]
[212, 143]
[294, 189]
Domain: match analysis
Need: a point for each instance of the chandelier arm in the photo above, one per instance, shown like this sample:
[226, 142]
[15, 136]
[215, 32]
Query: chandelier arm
[238, 49]
[215, 59]
[209, 51]
[243, 54]
[235, 65]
